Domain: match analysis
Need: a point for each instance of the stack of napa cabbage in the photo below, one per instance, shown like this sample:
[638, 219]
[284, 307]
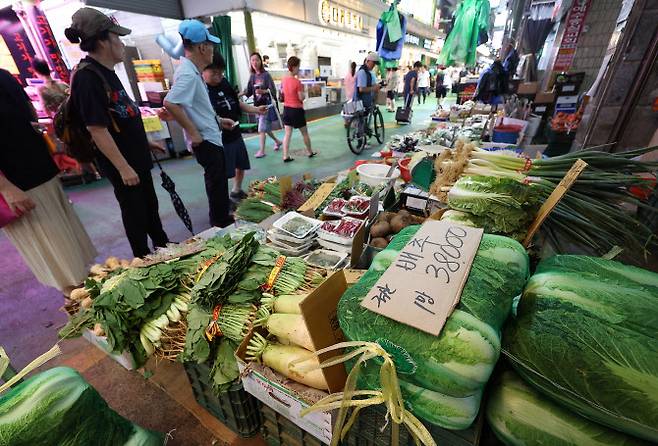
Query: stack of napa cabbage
[442, 378]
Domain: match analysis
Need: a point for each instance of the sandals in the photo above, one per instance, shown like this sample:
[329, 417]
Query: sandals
[277, 146]
[259, 154]
[312, 154]
[287, 160]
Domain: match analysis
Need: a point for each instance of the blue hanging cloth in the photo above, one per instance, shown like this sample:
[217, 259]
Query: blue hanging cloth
[386, 48]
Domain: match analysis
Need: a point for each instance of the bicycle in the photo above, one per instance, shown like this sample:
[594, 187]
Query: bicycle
[359, 131]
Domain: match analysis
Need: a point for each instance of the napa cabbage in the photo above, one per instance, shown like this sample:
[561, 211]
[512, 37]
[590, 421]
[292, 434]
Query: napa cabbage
[442, 377]
[520, 416]
[586, 336]
[58, 407]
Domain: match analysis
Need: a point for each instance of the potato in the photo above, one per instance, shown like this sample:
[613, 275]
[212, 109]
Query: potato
[86, 303]
[398, 223]
[379, 242]
[404, 212]
[385, 216]
[137, 262]
[380, 229]
[125, 263]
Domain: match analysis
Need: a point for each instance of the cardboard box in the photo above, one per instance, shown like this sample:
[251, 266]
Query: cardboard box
[545, 98]
[319, 312]
[126, 359]
[528, 88]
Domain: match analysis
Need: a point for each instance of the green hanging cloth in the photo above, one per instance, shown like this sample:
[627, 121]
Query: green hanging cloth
[221, 27]
[392, 21]
[471, 23]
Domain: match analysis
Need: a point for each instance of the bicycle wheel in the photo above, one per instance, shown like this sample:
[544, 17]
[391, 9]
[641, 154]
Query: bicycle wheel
[356, 139]
[379, 125]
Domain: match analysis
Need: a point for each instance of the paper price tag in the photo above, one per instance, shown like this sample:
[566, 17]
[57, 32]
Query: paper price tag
[317, 198]
[424, 283]
[560, 190]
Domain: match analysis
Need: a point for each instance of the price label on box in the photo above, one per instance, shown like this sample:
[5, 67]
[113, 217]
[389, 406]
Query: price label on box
[425, 281]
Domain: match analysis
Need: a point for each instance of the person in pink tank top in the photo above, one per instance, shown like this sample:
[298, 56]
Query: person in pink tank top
[293, 109]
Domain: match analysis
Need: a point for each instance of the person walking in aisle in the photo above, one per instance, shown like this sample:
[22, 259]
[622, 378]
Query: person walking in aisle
[423, 82]
[392, 79]
[225, 101]
[262, 88]
[411, 85]
[47, 232]
[349, 82]
[115, 126]
[189, 104]
[441, 90]
[293, 109]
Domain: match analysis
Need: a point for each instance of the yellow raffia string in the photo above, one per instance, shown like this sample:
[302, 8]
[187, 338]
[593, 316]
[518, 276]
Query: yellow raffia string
[389, 394]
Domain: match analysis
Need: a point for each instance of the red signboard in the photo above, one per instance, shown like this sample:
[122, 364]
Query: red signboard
[16, 39]
[49, 45]
[574, 25]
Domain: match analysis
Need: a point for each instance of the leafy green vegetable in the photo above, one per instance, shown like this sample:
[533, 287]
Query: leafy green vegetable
[585, 335]
[499, 205]
[221, 277]
[457, 364]
[225, 368]
[254, 210]
[58, 407]
[519, 415]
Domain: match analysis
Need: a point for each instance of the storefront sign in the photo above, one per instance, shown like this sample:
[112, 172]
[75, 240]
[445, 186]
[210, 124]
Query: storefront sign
[574, 26]
[427, 44]
[412, 39]
[16, 39]
[338, 16]
[50, 45]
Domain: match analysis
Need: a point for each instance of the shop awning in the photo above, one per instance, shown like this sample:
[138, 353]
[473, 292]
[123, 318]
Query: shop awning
[160, 8]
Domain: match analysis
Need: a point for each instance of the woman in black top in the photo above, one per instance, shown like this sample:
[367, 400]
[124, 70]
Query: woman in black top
[47, 232]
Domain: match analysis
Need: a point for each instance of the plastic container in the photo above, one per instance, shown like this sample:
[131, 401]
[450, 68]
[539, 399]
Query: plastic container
[375, 174]
[337, 238]
[506, 134]
[274, 234]
[362, 201]
[235, 408]
[281, 223]
[337, 257]
[405, 174]
[336, 203]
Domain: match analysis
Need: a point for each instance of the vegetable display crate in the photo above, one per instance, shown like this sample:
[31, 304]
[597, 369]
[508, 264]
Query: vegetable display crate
[279, 431]
[237, 409]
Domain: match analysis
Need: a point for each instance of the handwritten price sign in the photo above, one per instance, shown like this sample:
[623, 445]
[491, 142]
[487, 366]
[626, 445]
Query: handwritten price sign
[425, 281]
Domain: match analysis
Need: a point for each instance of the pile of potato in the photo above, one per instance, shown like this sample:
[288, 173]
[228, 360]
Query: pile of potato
[388, 224]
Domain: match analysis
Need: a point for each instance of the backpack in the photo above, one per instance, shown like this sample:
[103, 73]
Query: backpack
[368, 80]
[69, 127]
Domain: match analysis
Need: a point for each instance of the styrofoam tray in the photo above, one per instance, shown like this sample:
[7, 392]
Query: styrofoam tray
[280, 236]
[279, 224]
[347, 249]
[292, 246]
[289, 252]
[335, 238]
[340, 256]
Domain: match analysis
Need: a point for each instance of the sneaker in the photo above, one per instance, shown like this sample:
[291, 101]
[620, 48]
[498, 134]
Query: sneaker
[239, 195]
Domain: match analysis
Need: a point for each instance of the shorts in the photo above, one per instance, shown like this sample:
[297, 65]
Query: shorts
[390, 94]
[294, 117]
[265, 122]
[441, 91]
[236, 157]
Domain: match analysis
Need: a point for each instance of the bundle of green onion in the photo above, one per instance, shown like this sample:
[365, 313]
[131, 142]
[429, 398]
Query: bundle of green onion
[593, 217]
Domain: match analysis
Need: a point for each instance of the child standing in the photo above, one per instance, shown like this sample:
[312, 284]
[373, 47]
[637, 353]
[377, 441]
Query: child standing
[293, 109]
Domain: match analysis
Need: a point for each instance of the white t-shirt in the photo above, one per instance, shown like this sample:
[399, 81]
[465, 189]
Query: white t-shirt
[423, 79]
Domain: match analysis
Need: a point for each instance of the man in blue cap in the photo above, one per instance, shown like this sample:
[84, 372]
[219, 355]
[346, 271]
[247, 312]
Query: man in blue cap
[189, 104]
